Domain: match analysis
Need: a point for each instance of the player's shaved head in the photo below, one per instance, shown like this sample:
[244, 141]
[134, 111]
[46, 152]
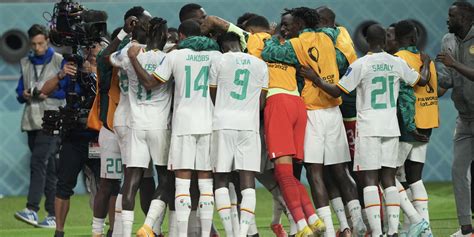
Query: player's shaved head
[229, 41]
[327, 16]
[376, 35]
[244, 18]
[191, 11]
[189, 28]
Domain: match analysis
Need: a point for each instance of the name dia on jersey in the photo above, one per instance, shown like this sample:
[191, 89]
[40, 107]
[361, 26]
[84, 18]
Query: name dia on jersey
[197, 58]
[382, 67]
[244, 61]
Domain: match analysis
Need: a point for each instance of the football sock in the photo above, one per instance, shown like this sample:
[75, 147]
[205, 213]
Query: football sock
[247, 210]
[392, 202]
[372, 209]
[127, 222]
[206, 205]
[98, 225]
[118, 228]
[223, 207]
[182, 205]
[325, 214]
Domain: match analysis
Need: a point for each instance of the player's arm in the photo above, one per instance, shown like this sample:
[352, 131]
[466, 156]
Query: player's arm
[130, 22]
[425, 74]
[274, 51]
[263, 98]
[214, 23]
[332, 89]
[147, 80]
[448, 60]
[213, 92]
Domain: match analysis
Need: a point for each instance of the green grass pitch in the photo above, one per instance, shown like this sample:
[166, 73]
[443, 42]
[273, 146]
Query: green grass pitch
[442, 212]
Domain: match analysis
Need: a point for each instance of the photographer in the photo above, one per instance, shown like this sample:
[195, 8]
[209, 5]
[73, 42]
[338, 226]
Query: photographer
[37, 68]
[74, 152]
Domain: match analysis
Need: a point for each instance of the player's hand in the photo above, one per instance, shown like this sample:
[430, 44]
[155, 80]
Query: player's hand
[69, 69]
[26, 95]
[419, 137]
[310, 74]
[207, 25]
[425, 58]
[133, 51]
[130, 22]
[446, 59]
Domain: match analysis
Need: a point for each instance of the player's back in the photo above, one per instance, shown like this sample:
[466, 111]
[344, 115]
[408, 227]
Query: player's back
[150, 108]
[239, 78]
[377, 78]
[192, 112]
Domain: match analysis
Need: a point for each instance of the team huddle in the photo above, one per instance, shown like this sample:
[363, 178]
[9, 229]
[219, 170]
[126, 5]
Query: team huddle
[221, 105]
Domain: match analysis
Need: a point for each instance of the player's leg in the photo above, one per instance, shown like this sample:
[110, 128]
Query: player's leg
[110, 176]
[223, 205]
[367, 163]
[182, 200]
[72, 157]
[249, 200]
[124, 145]
[147, 188]
[158, 145]
[392, 197]
[414, 167]
[314, 158]
[336, 203]
[222, 159]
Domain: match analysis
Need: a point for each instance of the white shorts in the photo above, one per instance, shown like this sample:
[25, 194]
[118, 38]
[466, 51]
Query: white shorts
[414, 151]
[190, 152]
[110, 159]
[123, 136]
[235, 150]
[146, 145]
[325, 140]
[373, 153]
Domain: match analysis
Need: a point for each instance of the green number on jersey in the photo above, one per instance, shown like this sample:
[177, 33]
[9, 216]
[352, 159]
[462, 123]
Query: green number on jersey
[200, 82]
[123, 82]
[382, 91]
[140, 93]
[114, 165]
[244, 82]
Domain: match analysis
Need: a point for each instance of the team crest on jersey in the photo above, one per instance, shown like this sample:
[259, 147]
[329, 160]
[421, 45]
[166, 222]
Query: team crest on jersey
[471, 49]
[313, 53]
[348, 71]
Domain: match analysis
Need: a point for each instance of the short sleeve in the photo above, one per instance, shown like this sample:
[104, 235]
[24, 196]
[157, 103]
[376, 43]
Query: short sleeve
[352, 78]
[164, 70]
[117, 58]
[409, 75]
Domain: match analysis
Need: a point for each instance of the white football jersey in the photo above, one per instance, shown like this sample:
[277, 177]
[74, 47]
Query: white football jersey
[377, 79]
[192, 110]
[239, 78]
[150, 109]
[120, 59]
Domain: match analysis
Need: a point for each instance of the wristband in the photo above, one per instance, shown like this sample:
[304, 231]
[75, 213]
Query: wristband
[122, 34]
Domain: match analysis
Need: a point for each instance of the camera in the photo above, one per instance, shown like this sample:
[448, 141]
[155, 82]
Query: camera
[75, 26]
[34, 92]
[72, 24]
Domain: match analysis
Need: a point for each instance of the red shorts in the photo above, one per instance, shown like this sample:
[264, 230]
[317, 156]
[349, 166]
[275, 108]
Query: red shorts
[285, 124]
[350, 126]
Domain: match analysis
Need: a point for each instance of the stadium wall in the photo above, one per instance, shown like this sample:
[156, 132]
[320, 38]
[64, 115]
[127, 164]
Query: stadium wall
[14, 153]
